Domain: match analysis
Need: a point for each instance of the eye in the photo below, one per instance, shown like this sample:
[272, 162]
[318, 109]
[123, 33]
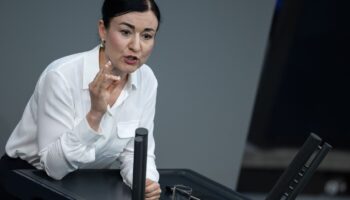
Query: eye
[147, 36]
[125, 32]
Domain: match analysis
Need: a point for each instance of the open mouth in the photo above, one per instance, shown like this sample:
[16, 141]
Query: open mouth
[131, 60]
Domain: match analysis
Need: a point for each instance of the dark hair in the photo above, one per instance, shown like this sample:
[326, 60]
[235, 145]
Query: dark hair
[113, 8]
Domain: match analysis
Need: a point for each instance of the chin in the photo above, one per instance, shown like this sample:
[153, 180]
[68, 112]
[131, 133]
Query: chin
[130, 69]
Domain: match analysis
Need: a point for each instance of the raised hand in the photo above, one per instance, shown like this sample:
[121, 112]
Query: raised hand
[101, 89]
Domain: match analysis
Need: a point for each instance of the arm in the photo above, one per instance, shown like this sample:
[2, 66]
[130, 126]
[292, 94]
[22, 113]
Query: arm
[127, 156]
[65, 143]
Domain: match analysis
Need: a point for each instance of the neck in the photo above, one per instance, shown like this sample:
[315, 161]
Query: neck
[103, 59]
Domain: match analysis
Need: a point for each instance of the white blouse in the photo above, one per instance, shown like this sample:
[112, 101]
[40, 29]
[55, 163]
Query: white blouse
[54, 134]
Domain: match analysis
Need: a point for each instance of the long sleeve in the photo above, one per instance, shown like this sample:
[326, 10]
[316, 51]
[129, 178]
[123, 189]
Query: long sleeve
[65, 143]
[126, 157]
[53, 133]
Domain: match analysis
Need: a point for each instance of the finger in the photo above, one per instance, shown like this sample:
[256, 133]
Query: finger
[104, 70]
[109, 76]
[109, 81]
[112, 77]
[101, 80]
[108, 66]
[100, 75]
[151, 186]
[109, 69]
[152, 190]
[149, 181]
[155, 193]
[153, 198]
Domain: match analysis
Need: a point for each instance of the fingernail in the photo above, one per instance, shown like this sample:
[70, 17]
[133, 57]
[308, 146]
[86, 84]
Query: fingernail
[108, 63]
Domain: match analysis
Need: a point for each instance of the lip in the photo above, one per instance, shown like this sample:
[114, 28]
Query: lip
[131, 59]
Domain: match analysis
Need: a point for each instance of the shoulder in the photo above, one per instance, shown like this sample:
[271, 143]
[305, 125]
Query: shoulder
[66, 63]
[64, 71]
[71, 66]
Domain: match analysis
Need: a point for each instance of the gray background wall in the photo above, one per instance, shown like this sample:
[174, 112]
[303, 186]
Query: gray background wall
[208, 59]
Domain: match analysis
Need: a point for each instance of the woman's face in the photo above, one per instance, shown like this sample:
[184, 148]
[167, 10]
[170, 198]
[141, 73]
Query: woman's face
[129, 40]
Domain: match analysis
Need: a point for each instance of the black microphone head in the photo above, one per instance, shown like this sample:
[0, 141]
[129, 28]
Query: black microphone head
[141, 132]
[138, 139]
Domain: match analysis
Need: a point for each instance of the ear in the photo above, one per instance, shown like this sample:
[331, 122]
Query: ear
[102, 30]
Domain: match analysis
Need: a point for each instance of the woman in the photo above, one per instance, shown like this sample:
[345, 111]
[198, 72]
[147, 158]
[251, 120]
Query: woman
[86, 106]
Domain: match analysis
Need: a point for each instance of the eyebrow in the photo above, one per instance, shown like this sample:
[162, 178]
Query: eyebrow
[133, 27]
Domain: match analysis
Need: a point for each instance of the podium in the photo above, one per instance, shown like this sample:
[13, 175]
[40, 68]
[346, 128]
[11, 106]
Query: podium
[106, 184]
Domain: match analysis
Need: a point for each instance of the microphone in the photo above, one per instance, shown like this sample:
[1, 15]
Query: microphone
[140, 163]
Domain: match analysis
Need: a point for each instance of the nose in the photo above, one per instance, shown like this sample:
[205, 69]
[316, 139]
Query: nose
[135, 43]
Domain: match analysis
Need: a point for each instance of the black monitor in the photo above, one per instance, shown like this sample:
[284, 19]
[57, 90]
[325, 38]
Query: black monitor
[305, 82]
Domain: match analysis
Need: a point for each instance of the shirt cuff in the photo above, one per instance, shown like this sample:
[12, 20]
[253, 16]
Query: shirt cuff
[150, 174]
[153, 175]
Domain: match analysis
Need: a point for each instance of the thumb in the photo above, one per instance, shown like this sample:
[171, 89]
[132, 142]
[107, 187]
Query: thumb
[148, 182]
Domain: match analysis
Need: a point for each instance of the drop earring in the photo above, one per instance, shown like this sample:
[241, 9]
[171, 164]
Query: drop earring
[102, 45]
